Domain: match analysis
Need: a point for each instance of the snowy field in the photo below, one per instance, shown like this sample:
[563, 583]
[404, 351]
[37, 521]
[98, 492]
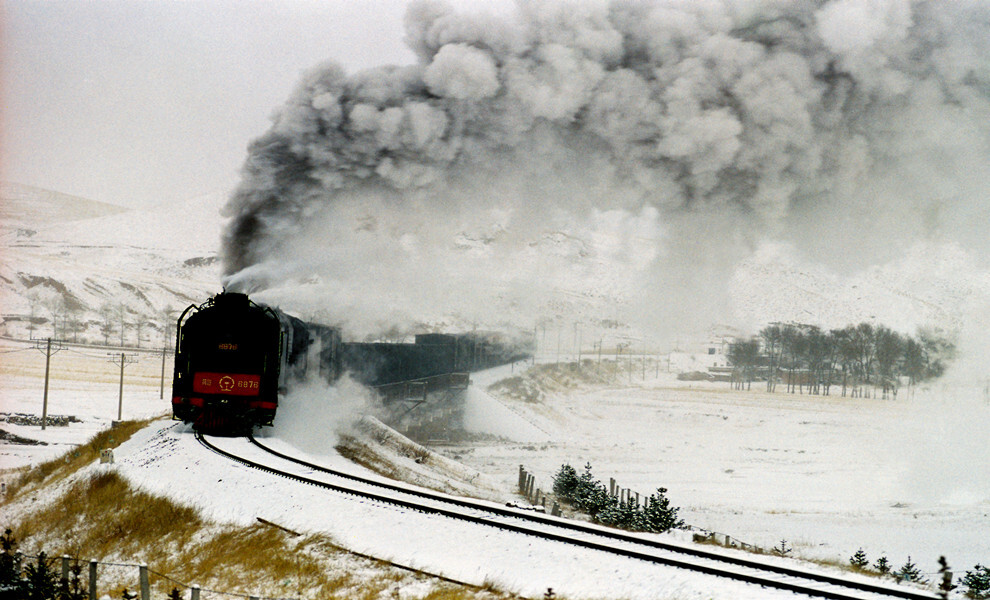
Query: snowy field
[829, 475]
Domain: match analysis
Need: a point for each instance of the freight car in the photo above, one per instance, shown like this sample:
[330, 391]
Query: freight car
[234, 358]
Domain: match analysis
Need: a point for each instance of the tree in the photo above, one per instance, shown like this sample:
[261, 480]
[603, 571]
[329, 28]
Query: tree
[167, 318]
[72, 588]
[658, 515]
[41, 579]
[977, 583]
[106, 322]
[565, 482]
[888, 349]
[590, 494]
[55, 305]
[11, 585]
[914, 361]
[859, 560]
[882, 565]
[120, 312]
[744, 356]
[773, 347]
[909, 572]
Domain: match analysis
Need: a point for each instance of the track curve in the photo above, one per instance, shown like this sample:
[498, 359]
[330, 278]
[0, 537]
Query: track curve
[581, 534]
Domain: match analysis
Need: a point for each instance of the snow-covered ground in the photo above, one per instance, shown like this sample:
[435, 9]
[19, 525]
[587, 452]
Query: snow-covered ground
[829, 475]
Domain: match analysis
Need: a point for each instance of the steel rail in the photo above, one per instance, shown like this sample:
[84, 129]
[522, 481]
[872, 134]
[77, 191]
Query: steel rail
[607, 533]
[757, 579]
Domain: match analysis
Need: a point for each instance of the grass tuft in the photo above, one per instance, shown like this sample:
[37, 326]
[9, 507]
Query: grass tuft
[71, 461]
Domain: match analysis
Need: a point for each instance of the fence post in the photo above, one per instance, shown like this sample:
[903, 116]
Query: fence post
[194, 593]
[143, 575]
[65, 570]
[92, 578]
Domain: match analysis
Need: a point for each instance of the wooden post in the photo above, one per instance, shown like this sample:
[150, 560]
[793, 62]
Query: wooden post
[65, 570]
[145, 587]
[161, 390]
[120, 395]
[92, 578]
[44, 404]
[194, 593]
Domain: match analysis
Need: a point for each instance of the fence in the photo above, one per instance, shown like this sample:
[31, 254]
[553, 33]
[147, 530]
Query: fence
[536, 496]
[142, 582]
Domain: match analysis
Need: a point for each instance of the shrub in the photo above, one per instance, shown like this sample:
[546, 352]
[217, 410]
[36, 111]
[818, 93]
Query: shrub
[565, 483]
[977, 583]
[658, 515]
[910, 572]
[590, 495]
[859, 560]
[882, 565]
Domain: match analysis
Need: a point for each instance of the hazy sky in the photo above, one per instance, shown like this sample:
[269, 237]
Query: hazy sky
[145, 101]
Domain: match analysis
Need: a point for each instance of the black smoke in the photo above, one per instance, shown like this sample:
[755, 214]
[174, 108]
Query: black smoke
[621, 153]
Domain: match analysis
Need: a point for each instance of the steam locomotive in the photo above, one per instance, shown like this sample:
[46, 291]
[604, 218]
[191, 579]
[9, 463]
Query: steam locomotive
[234, 359]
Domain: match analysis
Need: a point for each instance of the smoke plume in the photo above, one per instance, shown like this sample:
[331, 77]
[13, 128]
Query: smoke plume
[619, 157]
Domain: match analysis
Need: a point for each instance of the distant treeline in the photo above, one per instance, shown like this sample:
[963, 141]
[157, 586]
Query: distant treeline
[857, 358]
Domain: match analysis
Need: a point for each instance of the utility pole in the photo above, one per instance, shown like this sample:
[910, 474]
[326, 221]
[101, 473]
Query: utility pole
[48, 359]
[577, 343]
[123, 362]
[161, 391]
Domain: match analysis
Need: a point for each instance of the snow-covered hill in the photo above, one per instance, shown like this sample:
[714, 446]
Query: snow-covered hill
[84, 262]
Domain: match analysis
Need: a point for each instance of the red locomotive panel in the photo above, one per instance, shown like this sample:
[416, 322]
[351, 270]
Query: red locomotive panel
[232, 384]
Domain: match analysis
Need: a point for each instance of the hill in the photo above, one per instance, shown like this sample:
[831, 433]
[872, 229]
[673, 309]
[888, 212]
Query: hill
[76, 268]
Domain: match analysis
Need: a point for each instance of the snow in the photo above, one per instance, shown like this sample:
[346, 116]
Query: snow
[827, 474]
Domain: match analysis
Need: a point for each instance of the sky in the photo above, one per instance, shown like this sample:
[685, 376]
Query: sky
[138, 103]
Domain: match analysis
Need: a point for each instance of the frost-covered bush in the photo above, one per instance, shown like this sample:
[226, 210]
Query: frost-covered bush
[565, 482]
[588, 494]
[859, 560]
[977, 583]
[882, 565]
[910, 572]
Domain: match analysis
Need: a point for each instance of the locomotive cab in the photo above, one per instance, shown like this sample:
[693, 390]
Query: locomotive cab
[229, 364]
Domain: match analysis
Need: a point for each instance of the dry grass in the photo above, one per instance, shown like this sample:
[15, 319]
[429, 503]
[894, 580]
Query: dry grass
[103, 517]
[70, 462]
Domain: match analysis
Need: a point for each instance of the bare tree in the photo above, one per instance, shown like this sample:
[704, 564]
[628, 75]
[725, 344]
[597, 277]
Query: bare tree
[773, 347]
[55, 305]
[107, 314]
[744, 356]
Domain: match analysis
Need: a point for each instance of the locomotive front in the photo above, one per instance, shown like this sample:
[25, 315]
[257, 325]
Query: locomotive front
[229, 364]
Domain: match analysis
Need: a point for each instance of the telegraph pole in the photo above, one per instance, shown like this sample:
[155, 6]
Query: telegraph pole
[161, 390]
[123, 361]
[48, 359]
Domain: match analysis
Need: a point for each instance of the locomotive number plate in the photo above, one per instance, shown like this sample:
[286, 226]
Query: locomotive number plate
[232, 384]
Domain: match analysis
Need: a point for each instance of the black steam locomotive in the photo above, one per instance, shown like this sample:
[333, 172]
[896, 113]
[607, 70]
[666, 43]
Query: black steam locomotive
[235, 357]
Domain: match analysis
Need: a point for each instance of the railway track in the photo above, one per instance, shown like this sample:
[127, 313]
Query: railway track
[615, 542]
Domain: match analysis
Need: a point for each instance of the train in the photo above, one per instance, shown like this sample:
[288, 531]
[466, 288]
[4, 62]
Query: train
[236, 358]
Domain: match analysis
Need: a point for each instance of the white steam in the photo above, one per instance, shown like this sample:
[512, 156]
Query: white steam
[622, 159]
[314, 414]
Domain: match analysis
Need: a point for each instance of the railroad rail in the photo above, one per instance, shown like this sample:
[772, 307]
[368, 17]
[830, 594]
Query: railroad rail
[808, 583]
